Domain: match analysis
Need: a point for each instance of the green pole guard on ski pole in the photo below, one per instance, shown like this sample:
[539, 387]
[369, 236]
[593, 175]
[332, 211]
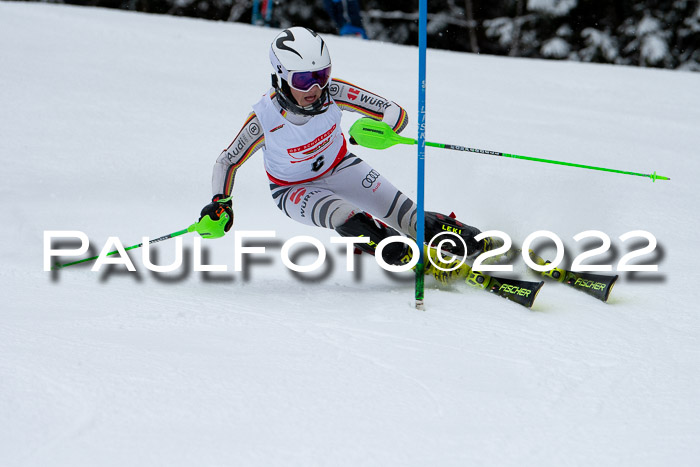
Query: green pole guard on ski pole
[206, 227]
[375, 134]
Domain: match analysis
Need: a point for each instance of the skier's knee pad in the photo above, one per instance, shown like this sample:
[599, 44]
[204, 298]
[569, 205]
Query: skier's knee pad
[436, 223]
[363, 225]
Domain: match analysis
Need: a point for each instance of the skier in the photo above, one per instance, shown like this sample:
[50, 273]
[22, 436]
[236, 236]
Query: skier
[314, 178]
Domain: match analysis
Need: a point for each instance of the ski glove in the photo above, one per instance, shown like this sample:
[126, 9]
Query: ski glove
[216, 208]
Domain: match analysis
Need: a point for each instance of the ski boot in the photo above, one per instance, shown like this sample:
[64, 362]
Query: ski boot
[451, 269]
[444, 270]
[521, 292]
[441, 226]
[364, 225]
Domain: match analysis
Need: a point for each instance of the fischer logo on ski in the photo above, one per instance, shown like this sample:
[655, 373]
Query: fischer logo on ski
[595, 285]
[515, 290]
[581, 282]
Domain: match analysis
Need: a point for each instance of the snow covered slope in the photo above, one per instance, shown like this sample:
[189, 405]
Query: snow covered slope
[110, 123]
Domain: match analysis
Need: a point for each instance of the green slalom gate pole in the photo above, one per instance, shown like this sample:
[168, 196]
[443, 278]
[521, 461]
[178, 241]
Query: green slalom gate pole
[378, 135]
[206, 227]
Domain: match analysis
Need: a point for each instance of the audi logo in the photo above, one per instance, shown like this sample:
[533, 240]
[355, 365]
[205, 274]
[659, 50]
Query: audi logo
[370, 178]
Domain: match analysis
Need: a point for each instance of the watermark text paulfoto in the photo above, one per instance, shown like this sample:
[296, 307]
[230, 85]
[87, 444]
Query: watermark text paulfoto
[114, 252]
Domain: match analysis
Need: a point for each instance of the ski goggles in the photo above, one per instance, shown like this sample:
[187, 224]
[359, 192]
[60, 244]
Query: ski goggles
[305, 80]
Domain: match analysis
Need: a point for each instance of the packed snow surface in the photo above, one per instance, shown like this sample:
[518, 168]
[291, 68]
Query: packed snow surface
[110, 123]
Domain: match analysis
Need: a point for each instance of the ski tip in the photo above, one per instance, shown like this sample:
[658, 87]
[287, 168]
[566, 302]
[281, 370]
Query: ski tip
[535, 293]
[610, 287]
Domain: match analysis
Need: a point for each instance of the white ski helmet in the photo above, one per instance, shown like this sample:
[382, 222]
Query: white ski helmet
[301, 60]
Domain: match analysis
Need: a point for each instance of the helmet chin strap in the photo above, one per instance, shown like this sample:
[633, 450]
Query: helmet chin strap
[288, 103]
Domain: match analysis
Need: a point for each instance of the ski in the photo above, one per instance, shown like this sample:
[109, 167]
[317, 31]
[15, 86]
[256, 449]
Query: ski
[596, 285]
[519, 291]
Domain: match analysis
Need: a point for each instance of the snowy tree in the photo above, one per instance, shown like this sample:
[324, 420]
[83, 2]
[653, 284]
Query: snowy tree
[552, 7]
[662, 33]
[558, 46]
[656, 33]
[601, 46]
[649, 44]
[689, 33]
[514, 33]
